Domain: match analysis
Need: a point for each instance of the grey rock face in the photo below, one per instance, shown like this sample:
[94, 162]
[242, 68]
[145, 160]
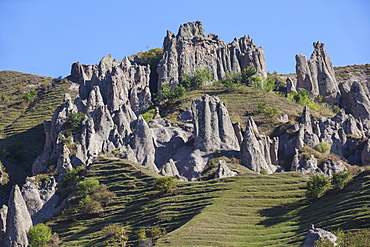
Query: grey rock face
[259, 152]
[223, 171]
[40, 198]
[290, 85]
[118, 82]
[3, 213]
[356, 100]
[213, 129]
[192, 49]
[18, 220]
[317, 76]
[142, 145]
[315, 234]
[169, 169]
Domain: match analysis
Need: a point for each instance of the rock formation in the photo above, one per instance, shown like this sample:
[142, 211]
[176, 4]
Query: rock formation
[18, 220]
[259, 152]
[223, 171]
[317, 76]
[3, 213]
[315, 234]
[192, 49]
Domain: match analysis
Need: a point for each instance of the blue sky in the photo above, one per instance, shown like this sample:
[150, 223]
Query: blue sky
[45, 37]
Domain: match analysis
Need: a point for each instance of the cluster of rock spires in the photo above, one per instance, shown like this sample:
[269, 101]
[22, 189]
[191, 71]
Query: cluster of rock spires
[193, 49]
[113, 94]
[317, 76]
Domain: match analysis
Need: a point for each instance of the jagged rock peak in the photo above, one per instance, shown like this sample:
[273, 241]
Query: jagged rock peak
[192, 49]
[191, 29]
[18, 220]
[317, 76]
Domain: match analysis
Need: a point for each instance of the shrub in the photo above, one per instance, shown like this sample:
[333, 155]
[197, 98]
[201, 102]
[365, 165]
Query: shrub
[170, 95]
[247, 75]
[141, 234]
[263, 171]
[300, 97]
[148, 115]
[164, 184]
[30, 95]
[267, 110]
[323, 147]
[196, 81]
[70, 177]
[42, 178]
[87, 187]
[103, 195]
[116, 233]
[317, 186]
[74, 121]
[39, 235]
[89, 206]
[336, 108]
[340, 179]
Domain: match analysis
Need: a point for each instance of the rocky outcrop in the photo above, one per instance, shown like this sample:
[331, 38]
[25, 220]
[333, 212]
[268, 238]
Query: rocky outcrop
[355, 99]
[18, 220]
[3, 213]
[259, 152]
[315, 234]
[143, 146]
[317, 76]
[40, 198]
[118, 82]
[213, 129]
[192, 49]
[290, 85]
[223, 171]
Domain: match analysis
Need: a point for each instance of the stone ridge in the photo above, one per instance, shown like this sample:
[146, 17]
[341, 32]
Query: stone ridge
[192, 49]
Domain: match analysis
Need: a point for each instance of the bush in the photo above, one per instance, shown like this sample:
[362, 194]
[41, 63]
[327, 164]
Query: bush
[87, 187]
[164, 184]
[30, 95]
[39, 235]
[267, 110]
[103, 195]
[89, 206]
[116, 233]
[247, 75]
[170, 95]
[148, 115]
[340, 179]
[196, 81]
[317, 186]
[70, 177]
[74, 122]
[323, 147]
[300, 97]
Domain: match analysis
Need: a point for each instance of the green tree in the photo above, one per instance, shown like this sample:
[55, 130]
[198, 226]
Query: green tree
[323, 147]
[165, 184]
[170, 95]
[340, 179]
[317, 186]
[196, 81]
[39, 235]
[74, 121]
[28, 96]
[247, 75]
[87, 187]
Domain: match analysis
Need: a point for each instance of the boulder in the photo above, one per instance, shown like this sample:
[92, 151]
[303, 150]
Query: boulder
[315, 234]
[193, 49]
[223, 171]
[18, 220]
[169, 169]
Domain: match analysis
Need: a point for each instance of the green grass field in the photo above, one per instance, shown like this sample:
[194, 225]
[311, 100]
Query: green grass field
[247, 210]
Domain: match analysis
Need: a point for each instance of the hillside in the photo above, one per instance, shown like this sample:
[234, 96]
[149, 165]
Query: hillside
[22, 120]
[247, 210]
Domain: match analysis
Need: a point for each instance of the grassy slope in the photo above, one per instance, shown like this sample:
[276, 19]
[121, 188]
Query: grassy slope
[21, 121]
[247, 210]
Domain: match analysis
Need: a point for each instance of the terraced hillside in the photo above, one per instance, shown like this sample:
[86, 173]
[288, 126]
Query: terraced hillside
[21, 129]
[247, 210]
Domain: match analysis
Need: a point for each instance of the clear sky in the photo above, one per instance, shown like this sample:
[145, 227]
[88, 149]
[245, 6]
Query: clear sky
[45, 37]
